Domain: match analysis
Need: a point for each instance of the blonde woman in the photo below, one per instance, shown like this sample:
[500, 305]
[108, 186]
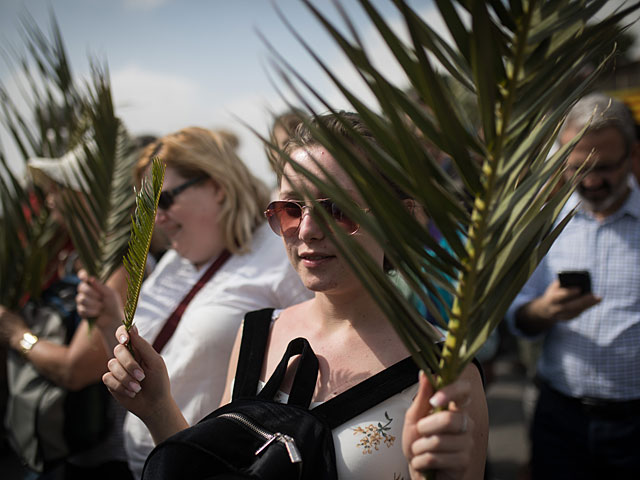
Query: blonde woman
[211, 211]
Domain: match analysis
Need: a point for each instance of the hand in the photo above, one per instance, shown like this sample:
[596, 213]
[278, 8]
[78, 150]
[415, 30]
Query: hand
[558, 304]
[12, 328]
[439, 441]
[140, 384]
[98, 301]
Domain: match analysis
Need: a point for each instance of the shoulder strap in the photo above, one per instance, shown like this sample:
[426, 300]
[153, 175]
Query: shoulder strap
[255, 332]
[368, 393]
[306, 375]
[374, 390]
[172, 322]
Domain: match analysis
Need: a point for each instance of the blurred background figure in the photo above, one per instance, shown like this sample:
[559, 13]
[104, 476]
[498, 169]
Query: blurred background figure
[282, 128]
[52, 344]
[586, 423]
[223, 262]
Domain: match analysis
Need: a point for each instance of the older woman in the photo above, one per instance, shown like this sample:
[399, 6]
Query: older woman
[223, 262]
[352, 340]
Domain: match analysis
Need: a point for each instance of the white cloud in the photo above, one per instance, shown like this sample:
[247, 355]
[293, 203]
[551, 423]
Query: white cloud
[160, 103]
[151, 101]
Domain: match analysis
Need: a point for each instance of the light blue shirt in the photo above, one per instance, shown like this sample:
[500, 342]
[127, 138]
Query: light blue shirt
[597, 354]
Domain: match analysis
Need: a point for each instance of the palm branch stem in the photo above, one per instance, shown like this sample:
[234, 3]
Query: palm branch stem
[468, 276]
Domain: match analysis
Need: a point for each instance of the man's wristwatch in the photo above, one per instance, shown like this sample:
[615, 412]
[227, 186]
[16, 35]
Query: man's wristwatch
[27, 342]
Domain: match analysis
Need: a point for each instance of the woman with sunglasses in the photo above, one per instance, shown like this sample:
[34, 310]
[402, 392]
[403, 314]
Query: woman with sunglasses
[352, 339]
[223, 262]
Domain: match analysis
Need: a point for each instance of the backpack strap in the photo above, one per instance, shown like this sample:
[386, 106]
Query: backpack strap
[306, 376]
[255, 332]
[368, 393]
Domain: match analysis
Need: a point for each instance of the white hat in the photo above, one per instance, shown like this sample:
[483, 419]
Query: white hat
[65, 171]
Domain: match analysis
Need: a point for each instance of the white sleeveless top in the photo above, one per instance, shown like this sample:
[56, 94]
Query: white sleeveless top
[370, 445]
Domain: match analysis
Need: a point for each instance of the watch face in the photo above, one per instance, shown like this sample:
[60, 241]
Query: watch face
[27, 341]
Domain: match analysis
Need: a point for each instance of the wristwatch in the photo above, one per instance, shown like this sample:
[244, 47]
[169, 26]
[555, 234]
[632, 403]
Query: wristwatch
[27, 342]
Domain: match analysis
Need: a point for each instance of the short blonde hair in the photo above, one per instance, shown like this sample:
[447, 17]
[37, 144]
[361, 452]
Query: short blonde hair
[195, 151]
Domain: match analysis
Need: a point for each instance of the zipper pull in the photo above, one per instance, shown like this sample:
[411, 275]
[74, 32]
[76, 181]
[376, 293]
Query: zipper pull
[272, 438]
[292, 449]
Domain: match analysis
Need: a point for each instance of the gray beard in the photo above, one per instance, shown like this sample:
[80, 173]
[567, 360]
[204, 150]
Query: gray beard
[607, 203]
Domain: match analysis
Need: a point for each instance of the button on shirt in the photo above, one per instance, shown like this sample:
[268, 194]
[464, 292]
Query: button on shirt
[596, 354]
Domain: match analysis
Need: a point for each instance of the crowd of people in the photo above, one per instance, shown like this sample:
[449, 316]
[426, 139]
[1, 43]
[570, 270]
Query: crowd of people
[220, 238]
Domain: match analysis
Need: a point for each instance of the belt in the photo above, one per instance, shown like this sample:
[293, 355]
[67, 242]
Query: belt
[597, 407]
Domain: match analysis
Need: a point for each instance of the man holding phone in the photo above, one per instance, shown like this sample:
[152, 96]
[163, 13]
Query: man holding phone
[587, 419]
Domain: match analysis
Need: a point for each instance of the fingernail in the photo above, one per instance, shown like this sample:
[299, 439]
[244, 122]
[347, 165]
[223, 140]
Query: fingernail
[135, 386]
[139, 374]
[130, 393]
[437, 400]
[123, 339]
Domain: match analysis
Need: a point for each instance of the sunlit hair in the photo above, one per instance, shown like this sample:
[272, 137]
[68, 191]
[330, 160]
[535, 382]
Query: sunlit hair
[195, 151]
[343, 124]
[609, 112]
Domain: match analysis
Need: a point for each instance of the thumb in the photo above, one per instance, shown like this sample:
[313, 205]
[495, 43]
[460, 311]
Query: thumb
[420, 407]
[144, 350]
[83, 275]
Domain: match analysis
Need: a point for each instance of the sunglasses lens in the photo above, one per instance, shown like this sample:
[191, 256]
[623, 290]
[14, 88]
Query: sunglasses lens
[165, 201]
[284, 217]
[348, 225]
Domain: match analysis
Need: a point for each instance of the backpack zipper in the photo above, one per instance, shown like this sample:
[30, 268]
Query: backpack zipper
[288, 441]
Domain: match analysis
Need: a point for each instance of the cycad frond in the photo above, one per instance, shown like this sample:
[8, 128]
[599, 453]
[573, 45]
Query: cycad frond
[142, 224]
[520, 62]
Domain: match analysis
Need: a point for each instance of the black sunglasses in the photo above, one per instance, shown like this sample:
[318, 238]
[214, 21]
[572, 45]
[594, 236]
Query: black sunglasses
[169, 196]
[285, 216]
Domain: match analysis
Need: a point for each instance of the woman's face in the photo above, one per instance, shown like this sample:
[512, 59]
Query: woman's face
[191, 221]
[310, 251]
[53, 201]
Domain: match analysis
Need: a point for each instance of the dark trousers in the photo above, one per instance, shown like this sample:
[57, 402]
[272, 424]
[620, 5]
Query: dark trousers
[570, 441]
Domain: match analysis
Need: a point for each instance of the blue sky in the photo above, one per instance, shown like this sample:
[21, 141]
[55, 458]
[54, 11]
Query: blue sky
[175, 63]
[194, 62]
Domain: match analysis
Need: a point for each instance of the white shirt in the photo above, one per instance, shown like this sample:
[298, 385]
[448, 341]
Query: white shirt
[197, 354]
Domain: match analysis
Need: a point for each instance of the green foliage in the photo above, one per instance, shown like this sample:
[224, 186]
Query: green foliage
[141, 232]
[516, 61]
[61, 116]
[97, 218]
[29, 238]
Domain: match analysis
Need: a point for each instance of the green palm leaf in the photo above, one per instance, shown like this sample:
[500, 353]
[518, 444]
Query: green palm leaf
[30, 239]
[98, 218]
[142, 225]
[518, 62]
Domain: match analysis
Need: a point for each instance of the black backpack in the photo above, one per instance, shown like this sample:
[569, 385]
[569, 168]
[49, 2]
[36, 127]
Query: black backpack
[255, 437]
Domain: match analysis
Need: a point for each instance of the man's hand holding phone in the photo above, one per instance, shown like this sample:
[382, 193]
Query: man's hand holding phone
[557, 304]
[576, 278]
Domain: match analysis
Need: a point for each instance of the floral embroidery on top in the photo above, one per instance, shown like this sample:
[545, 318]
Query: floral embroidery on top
[373, 435]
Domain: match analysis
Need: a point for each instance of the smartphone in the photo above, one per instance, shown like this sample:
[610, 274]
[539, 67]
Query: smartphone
[576, 278]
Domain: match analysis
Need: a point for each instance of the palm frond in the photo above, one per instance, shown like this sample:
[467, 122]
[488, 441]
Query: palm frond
[142, 224]
[98, 218]
[30, 237]
[519, 63]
